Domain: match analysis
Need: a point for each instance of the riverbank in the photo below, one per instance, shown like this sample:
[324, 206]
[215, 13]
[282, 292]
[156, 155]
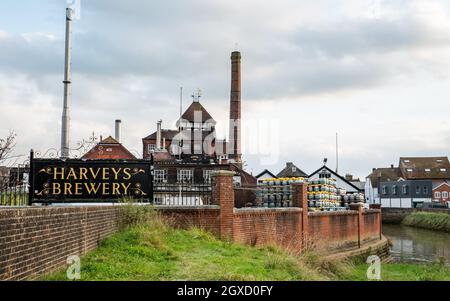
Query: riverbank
[428, 220]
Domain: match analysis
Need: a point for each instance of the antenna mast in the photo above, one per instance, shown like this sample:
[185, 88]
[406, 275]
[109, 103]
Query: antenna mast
[65, 130]
[337, 153]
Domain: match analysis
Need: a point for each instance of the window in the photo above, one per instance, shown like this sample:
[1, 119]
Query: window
[443, 169]
[207, 176]
[184, 176]
[445, 194]
[294, 169]
[425, 189]
[409, 169]
[384, 190]
[437, 195]
[151, 148]
[406, 161]
[439, 160]
[417, 189]
[197, 148]
[394, 189]
[405, 189]
[160, 176]
[427, 170]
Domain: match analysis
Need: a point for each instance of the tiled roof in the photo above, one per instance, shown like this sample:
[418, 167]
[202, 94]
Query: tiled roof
[413, 168]
[168, 134]
[385, 174]
[109, 148]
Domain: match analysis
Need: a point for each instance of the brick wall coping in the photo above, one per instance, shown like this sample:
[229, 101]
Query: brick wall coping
[226, 173]
[266, 210]
[348, 212]
[203, 207]
[372, 211]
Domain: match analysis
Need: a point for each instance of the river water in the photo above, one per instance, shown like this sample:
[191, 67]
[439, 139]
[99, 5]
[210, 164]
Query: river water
[417, 245]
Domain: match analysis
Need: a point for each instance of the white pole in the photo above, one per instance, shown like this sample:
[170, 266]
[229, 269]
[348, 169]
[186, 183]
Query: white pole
[65, 130]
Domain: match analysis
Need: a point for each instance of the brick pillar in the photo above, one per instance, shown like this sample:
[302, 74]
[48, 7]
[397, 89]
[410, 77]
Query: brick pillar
[300, 199]
[223, 195]
[360, 209]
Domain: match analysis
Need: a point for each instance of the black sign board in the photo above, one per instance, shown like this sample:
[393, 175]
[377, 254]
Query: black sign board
[92, 180]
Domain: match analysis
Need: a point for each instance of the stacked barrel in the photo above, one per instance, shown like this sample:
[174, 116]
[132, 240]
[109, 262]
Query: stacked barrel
[323, 194]
[276, 192]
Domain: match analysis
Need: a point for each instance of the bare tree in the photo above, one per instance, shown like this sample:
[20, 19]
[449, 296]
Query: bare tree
[7, 144]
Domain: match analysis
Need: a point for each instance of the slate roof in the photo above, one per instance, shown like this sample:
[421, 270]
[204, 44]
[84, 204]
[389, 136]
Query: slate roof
[425, 168]
[265, 171]
[196, 106]
[386, 174]
[291, 171]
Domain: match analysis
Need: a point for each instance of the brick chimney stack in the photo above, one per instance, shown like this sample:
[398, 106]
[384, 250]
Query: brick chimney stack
[235, 108]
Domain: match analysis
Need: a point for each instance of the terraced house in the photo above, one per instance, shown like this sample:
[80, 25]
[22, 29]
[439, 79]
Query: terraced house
[416, 180]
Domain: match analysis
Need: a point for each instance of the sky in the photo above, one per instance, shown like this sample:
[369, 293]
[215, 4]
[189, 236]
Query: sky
[375, 72]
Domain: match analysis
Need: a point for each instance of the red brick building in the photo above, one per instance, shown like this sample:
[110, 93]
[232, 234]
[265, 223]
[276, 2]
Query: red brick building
[109, 148]
[441, 193]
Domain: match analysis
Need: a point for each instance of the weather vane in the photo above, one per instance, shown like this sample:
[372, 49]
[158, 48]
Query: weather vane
[196, 96]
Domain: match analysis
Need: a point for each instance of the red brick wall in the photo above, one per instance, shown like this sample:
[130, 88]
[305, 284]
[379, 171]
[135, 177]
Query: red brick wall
[372, 225]
[259, 227]
[333, 230]
[37, 241]
[205, 217]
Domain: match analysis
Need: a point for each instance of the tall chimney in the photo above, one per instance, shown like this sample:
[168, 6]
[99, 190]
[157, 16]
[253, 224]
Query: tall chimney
[235, 106]
[65, 127]
[118, 129]
[158, 135]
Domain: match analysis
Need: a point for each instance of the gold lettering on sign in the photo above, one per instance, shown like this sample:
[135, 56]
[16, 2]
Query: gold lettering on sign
[105, 173]
[94, 175]
[92, 188]
[83, 172]
[67, 189]
[127, 172]
[78, 189]
[116, 173]
[56, 173]
[105, 190]
[115, 189]
[72, 175]
[125, 187]
[56, 189]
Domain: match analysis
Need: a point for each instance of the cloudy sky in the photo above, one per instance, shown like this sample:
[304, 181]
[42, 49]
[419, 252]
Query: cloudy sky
[377, 72]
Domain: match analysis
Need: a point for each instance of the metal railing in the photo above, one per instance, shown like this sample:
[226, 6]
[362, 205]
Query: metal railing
[182, 194]
[13, 192]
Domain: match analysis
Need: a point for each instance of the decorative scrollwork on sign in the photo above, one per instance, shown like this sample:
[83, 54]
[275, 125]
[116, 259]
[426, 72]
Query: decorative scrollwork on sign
[45, 191]
[137, 190]
[137, 171]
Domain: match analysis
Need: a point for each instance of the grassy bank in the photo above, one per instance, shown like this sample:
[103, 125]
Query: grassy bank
[428, 220]
[156, 251]
[153, 250]
[404, 272]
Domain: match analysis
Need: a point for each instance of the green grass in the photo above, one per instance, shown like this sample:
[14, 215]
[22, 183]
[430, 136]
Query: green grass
[428, 220]
[151, 249]
[404, 272]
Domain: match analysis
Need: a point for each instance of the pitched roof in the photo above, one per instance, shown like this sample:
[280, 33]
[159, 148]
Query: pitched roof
[336, 175]
[265, 171]
[108, 148]
[168, 134]
[161, 156]
[291, 171]
[385, 175]
[196, 106]
[414, 168]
